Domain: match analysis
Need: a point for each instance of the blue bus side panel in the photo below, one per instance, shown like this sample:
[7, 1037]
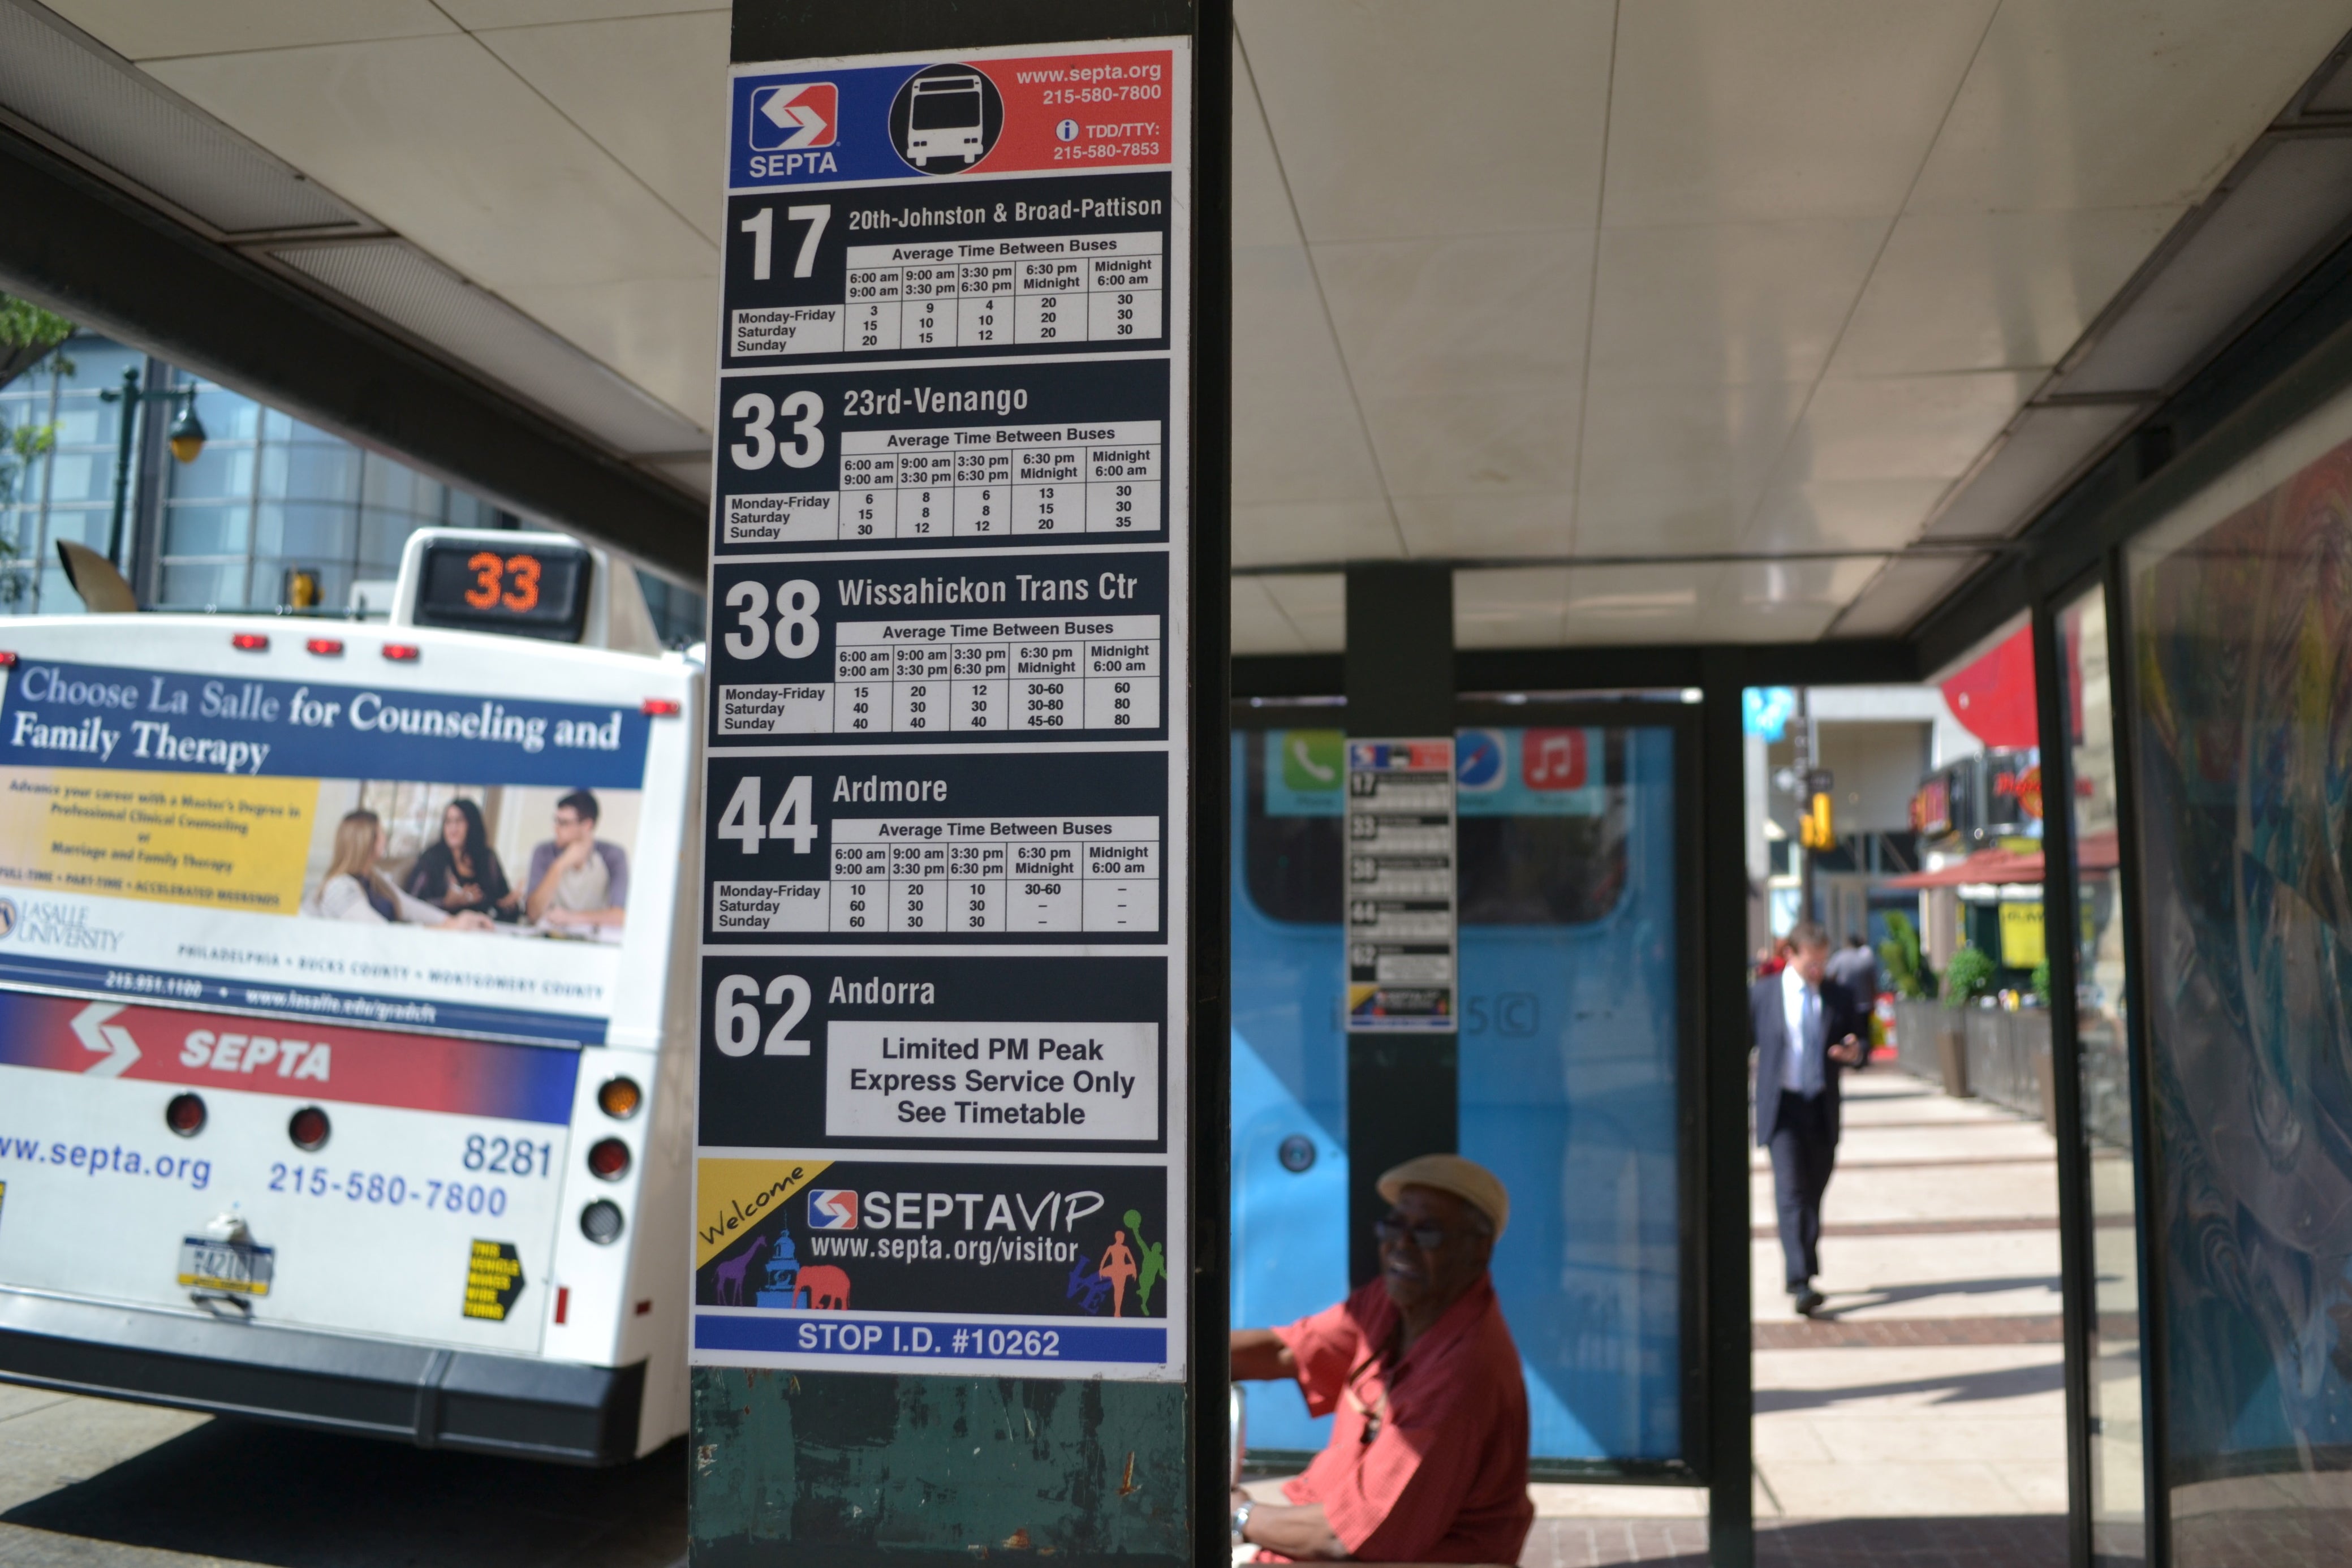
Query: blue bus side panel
[1568, 1093]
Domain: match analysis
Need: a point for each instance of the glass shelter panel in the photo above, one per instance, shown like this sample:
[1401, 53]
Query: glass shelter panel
[2241, 619]
[1568, 1083]
[2118, 1479]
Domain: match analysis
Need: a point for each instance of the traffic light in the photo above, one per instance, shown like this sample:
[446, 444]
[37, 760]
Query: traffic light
[1817, 829]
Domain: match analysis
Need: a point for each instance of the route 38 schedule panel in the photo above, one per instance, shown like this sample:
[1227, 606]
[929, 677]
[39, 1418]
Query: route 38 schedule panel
[942, 1061]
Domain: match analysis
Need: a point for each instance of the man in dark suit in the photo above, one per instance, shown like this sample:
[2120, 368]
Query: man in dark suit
[1807, 1028]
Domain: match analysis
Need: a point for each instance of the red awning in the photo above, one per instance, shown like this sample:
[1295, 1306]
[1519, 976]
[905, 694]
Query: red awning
[1999, 866]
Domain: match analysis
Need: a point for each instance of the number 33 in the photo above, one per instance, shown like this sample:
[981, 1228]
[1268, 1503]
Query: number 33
[491, 573]
[804, 444]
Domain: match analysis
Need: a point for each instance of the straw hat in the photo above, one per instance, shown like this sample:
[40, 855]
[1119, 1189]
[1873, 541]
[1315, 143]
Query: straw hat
[1466, 1179]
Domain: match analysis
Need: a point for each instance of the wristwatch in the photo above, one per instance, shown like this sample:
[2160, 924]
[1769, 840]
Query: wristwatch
[1241, 1522]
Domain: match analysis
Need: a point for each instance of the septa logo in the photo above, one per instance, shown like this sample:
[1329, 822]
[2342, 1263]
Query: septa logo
[832, 1208]
[1553, 759]
[795, 115]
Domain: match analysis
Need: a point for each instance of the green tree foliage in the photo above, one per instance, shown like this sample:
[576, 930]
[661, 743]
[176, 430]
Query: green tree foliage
[27, 335]
[1905, 967]
[1968, 976]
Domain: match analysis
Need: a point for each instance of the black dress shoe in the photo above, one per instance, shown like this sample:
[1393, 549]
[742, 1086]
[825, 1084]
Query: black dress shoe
[1809, 1301]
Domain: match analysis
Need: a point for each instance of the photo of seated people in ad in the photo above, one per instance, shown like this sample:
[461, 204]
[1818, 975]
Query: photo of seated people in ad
[427, 859]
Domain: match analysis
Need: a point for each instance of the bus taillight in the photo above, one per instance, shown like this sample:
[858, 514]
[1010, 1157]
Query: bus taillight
[308, 1129]
[326, 647]
[185, 1115]
[620, 1098]
[7, 661]
[250, 642]
[609, 1160]
[663, 708]
[599, 1221]
[403, 652]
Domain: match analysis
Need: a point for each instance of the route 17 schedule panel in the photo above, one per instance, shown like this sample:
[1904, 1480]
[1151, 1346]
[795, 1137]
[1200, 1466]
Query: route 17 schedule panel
[941, 1063]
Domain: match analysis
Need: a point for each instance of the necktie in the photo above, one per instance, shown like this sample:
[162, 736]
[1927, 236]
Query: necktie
[1809, 1075]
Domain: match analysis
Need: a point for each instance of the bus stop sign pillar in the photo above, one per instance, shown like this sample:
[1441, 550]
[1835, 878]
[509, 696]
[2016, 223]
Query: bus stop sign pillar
[958, 1234]
[1404, 1084]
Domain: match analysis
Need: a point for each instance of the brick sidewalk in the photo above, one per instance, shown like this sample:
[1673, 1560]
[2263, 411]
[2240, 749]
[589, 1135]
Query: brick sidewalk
[2024, 1541]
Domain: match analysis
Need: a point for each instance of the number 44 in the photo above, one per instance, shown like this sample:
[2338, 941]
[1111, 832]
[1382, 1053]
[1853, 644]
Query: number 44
[794, 818]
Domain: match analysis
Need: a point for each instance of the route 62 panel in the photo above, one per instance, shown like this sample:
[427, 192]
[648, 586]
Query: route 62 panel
[944, 457]
[941, 650]
[940, 849]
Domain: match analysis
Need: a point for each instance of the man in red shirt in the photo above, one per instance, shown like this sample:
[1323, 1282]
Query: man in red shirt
[1428, 1457]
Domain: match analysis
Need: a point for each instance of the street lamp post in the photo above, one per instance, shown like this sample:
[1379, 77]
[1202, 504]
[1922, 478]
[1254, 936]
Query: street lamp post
[187, 437]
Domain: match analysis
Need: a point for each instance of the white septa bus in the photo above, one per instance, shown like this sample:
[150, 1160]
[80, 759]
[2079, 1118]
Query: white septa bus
[346, 1007]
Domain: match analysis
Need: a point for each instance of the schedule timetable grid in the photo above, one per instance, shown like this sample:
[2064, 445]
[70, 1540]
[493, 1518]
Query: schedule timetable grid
[965, 877]
[976, 676]
[969, 482]
[972, 294]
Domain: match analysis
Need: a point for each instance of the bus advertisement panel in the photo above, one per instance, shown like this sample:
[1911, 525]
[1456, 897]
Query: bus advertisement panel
[367, 855]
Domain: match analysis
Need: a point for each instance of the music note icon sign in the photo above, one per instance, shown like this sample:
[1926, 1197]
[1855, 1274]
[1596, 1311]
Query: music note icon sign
[1553, 759]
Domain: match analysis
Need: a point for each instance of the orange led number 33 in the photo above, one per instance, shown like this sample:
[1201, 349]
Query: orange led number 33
[492, 576]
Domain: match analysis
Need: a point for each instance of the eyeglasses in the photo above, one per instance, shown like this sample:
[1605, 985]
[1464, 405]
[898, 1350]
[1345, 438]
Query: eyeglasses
[1395, 1227]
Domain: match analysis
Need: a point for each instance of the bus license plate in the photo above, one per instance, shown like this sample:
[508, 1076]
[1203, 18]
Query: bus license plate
[226, 1267]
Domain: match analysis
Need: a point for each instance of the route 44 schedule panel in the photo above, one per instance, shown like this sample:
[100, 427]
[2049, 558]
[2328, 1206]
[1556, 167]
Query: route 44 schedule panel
[942, 1065]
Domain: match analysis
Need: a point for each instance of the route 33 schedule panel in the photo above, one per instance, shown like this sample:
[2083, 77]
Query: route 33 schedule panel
[941, 1066]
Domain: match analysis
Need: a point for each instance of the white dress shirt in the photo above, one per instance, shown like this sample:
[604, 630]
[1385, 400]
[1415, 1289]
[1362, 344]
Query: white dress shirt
[1794, 992]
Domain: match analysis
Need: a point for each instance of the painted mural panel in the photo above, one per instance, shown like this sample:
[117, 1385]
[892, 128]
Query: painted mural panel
[2243, 609]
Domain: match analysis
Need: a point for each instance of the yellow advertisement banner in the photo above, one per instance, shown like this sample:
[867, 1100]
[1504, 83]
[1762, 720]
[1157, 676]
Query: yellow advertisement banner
[177, 838]
[2021, 946]
[730, 1196]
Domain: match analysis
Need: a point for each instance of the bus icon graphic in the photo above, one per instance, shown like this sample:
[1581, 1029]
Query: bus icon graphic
[946, 118]
[794, 115]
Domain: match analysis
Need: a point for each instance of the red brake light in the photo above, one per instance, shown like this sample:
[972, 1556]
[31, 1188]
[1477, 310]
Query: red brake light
[327, 646]
[609, 1160]
[308, 1129]
[251, 642]
[401, 650]
[7, 661]
[663, 707]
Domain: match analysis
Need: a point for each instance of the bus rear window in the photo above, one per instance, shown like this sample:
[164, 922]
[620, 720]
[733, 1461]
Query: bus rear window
[1541, 834]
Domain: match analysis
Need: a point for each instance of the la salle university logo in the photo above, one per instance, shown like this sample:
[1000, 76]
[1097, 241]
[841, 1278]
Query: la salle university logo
[795, 115]
[7, 916]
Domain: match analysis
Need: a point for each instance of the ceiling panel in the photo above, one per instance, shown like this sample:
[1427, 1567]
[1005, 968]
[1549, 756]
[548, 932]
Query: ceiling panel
[146, 30]
[1286, 533]
[1484, 311]
[1726, 303]
[1757, 111]
[1522, 608]
[1842, 514]
[1398, 117]
[1258, 623]
[479, 14]
[1633, 605]
[1895, 600]
[1993, 290]
[1671, 468]
[650, 91]
[1901, 427]
[1317, 607]
[1297, 432]
[1468, 442]
[2120, 103]
[661, 333]
[1487, 525]
[438, 140]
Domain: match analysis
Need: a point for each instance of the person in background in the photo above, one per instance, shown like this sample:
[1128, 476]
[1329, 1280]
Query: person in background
[1806, 1029]
[459, 870]
[1428, 1457]
[353, 889]
[1856, 967]
[576, 878]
